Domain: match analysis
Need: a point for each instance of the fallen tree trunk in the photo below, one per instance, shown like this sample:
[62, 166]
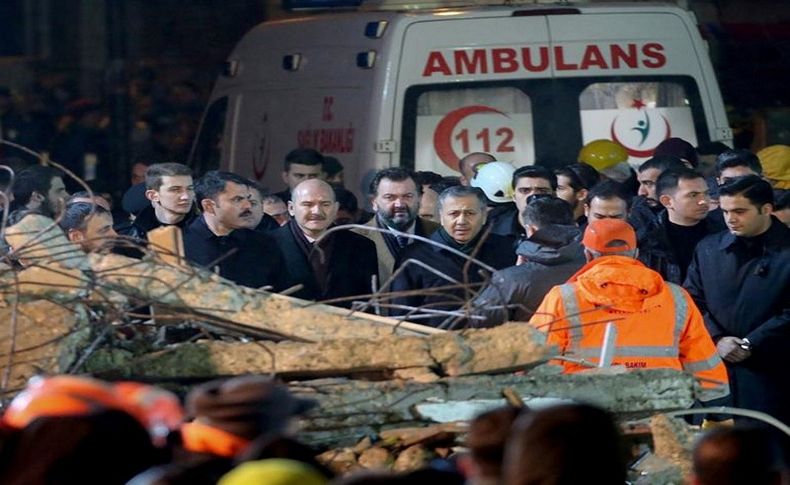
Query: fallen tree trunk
[508, 347]
[349, 410]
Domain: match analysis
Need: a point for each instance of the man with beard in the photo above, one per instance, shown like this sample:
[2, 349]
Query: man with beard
[396, 201]
[39, 188]
[646, 207]
[462, 213]
[221, 236]
[328, 266]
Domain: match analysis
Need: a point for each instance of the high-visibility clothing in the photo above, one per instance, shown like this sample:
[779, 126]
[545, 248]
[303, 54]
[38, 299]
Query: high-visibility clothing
[198, 437]
[658, 325]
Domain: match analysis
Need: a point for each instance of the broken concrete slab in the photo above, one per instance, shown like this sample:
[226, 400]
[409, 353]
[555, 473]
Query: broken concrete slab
[351, 409]
[42, 340]
[448, 354]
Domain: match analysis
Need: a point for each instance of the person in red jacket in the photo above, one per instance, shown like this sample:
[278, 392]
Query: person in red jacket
[657, 324]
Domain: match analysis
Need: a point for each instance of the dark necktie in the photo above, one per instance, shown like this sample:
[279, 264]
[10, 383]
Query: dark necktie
[403, 241]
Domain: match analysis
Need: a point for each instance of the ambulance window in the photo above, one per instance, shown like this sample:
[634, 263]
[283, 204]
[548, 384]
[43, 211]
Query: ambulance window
[451, 123]
[208, 147]
[638, 115]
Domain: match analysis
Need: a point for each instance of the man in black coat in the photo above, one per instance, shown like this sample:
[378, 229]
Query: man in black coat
[646, 207]
[340, 264]
[220, 237]
[171, 193]
[740, 280]
[462, 213]
[551, 253]
[667, 247]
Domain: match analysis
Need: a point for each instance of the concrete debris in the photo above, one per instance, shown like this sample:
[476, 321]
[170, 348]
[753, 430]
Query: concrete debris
[673, 441]
[477, 351]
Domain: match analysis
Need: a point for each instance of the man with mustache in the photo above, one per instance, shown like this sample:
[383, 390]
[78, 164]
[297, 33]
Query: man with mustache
[396, 201]
[328, 266]
[221, 238]
[668, 247]
[462, 213]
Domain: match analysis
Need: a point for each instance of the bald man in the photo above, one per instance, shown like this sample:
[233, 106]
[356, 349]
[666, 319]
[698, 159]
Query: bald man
[468, 165]
[329, 267]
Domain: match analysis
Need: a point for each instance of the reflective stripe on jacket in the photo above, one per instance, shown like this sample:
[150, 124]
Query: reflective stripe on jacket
[658, 325]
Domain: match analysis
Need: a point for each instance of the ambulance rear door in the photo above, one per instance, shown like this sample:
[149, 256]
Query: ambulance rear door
[460, 88]
[639, 76]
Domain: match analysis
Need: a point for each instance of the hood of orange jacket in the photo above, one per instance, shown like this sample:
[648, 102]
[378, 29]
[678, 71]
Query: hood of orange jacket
[618, 282]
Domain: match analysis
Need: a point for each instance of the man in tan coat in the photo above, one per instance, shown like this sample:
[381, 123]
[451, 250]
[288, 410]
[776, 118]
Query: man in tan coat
[396, 202]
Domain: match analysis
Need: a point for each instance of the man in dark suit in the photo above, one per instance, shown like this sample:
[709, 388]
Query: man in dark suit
[220, 236]
[396, 200]
[462, 213]
[336, 265]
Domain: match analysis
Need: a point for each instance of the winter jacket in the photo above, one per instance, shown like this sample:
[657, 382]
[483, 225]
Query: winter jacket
[496, 251]
[553, 254]
[657, 324]
[742, 288]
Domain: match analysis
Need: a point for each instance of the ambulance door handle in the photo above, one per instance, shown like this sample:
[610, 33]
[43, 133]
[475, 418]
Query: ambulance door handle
[386, 146]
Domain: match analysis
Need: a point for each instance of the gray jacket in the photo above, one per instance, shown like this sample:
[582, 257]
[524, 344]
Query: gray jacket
[553, 253]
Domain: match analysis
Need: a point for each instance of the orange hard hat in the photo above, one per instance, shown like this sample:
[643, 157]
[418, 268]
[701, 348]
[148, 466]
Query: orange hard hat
[153, 406]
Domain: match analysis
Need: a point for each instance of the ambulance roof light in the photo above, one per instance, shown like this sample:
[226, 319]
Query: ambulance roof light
[434, 4]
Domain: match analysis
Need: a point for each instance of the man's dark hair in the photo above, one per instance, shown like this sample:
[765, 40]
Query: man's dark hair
[426, 178]
[668, 181]
[488, 433]
[739, 157]
[552, 445]
[155, 172]
[730, 456]
[607, 190]
[332, 166]
[536, 172]
[302, 156]
[546, 211]
[580, 175]
[396, 174]
[462, 191]
[677, 147]
[253, 185]
[36, 178]
[756, 189]
[75, 215]
[213, 183]
[662, 163]
[712, 148]
[346, 199]
[781, 199]
[445, 183]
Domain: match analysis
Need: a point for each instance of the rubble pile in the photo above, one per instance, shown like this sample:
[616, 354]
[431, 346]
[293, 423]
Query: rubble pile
[392, 394]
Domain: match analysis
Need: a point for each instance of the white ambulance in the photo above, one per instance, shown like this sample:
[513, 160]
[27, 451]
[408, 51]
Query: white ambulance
[531, 83]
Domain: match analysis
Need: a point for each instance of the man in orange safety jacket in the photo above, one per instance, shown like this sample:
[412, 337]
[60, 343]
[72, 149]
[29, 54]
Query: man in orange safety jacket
[656, 323]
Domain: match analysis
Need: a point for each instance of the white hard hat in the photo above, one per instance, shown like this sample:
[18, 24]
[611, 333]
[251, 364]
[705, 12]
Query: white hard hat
[495, 179]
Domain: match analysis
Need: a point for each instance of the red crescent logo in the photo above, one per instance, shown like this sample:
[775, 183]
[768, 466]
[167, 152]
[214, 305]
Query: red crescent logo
[442, 137]
[640, 153]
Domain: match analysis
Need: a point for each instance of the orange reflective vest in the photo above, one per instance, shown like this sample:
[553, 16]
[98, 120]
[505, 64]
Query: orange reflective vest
[199, 437]
[658, 325]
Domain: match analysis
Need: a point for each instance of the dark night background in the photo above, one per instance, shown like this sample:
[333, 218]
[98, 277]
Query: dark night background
[147, 66]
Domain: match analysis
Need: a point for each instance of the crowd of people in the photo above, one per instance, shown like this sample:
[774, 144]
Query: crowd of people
[681, 264]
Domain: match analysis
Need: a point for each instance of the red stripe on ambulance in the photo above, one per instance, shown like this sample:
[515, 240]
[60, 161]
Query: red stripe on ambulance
[503, 60]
